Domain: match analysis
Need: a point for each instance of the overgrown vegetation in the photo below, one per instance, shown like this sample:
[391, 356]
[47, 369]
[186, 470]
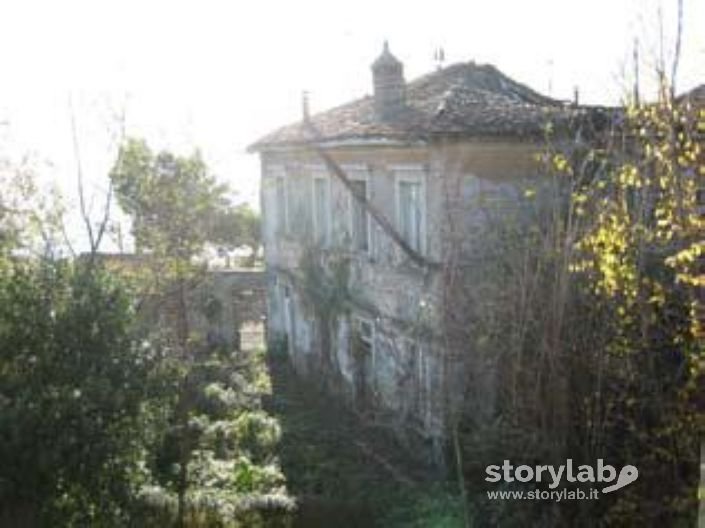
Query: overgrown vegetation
[114, 411]
[332, 462]
[73, 386]
[326, 295]
[579, 310]
[229, 445]
[584, 311]
[215, 445]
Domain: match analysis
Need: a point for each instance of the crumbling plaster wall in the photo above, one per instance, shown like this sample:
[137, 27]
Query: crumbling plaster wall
[413, 378]
[241, 297]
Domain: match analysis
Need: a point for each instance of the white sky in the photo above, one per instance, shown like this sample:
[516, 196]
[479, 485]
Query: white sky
[218, 74]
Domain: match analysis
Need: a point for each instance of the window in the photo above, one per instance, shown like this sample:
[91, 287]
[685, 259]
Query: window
[363, 345]
[298, 206]
[365, 333]
[359, 218]
[411, 208]
[280, 205]
[421, 389]
[321, 211]
[363, 360]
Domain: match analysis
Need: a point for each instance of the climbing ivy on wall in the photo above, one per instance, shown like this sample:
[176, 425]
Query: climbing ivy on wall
[324, 284]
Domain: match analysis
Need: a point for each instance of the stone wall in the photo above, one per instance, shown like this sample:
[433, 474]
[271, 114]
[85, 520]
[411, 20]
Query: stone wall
[411, 374]
[241, 296]
[226, 307]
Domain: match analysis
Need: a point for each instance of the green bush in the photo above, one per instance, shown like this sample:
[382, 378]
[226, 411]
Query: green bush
[71, 389]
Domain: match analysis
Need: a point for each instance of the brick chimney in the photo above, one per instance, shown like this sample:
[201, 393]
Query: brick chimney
[389, 85]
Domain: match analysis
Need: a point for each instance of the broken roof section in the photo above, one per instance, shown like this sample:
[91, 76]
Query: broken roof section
[463, 100]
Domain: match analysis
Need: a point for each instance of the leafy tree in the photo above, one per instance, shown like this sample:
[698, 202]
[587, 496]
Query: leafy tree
[177, 208]
[585, 307]
[72, 385]
[641, 253]
[176, 205]
[236, 227]
[227, 443]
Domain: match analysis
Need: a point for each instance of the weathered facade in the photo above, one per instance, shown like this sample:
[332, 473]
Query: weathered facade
[413, 157]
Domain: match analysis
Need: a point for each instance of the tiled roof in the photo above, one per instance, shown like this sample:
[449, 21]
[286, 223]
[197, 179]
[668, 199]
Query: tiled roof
[465, 100]
[695, 96]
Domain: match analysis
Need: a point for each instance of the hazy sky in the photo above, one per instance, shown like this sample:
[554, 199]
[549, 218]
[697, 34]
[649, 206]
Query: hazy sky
[218, 74]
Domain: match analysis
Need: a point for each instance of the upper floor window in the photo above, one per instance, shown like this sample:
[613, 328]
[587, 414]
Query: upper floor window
[359, 217]
[364, 332]
[321, 210]
[280, 213]
[411, 207]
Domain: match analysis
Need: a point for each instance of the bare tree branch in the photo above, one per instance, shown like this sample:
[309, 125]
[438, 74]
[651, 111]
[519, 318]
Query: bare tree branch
[67, 241]
[677, 53]
[79, 175]
[94, 237]
[109, 194]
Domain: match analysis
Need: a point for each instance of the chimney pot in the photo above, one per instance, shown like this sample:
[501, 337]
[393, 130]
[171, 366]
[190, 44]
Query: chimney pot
[389, 84]
[305, 106]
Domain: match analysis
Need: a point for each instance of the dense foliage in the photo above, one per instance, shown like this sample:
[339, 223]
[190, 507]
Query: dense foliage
[176, 204]
[111, 412]
[73, 381]
[582, 307]
[586, 305]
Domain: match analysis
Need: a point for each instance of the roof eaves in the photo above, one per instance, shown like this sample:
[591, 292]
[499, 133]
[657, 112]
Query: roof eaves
[338, 142]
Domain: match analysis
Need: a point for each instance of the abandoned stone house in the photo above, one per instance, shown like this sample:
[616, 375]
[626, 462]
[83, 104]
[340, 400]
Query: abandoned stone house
[386, 182]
